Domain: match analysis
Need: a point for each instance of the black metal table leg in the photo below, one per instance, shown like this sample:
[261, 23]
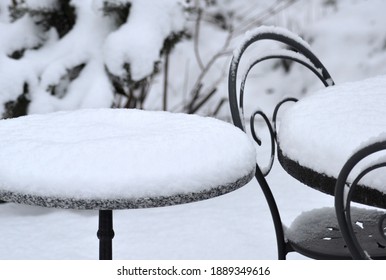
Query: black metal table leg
[105, 234]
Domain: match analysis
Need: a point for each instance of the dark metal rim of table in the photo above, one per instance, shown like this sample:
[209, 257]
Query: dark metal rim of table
[326, 184]
[105, 232]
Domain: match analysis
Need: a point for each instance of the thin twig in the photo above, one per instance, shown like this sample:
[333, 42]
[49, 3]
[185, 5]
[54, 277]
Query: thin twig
[202, 101]
[210, 63]
[197, 39]
[166, 76]
[219, 105]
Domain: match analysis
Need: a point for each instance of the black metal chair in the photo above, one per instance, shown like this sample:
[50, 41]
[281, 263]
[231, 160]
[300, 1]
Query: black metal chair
[343, 196]
[314, 234]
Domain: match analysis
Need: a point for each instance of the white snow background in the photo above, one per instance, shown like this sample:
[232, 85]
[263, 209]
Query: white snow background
[350, 40]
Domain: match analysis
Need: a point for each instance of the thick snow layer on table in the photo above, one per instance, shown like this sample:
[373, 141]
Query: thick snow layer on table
[323, 130]
[120, 153]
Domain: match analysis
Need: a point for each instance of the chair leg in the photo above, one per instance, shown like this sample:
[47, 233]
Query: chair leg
[278, 226]
[105, 234]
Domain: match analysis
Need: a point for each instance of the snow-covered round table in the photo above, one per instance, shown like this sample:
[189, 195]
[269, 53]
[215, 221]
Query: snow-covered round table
[109, 159]
[319, 133]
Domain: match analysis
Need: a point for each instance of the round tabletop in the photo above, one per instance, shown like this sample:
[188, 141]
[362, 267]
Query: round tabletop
[319, 133]
[120, 159]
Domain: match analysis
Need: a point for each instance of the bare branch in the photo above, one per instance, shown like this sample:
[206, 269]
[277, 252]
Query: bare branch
[197, 39]
[165, 82]
[219, 105]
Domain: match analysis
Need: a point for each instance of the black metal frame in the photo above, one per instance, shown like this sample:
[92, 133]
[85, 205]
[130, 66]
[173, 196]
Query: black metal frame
[105, 234]
[299, 52]
[343, 199]
[311, 62]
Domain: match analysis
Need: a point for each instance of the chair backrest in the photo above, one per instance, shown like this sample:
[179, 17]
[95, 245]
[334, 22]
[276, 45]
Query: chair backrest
[343, 197]
[296, 50]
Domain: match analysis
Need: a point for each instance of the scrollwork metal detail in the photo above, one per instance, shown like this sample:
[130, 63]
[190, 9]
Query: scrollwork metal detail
[343, 197]
[297, 51]
[258, 141]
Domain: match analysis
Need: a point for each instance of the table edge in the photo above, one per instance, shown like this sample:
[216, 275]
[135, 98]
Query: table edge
[115, 204]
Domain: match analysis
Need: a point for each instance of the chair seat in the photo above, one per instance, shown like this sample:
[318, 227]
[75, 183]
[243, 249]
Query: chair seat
[316, 233]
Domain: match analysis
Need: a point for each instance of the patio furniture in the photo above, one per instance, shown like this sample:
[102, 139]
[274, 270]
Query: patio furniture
[340, 120]
[316, 233]
[345, 191]
[109, 159]
[337, 120]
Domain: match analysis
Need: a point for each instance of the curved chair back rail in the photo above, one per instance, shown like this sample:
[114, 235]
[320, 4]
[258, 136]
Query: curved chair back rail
[299, 52]
[343, 198]
[297, 45]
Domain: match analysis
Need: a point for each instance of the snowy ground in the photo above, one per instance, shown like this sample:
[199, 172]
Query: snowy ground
[351, 43]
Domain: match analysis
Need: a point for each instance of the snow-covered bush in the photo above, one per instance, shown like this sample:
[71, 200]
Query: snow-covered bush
[164, 54]
[62, 54]
[170, 54]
